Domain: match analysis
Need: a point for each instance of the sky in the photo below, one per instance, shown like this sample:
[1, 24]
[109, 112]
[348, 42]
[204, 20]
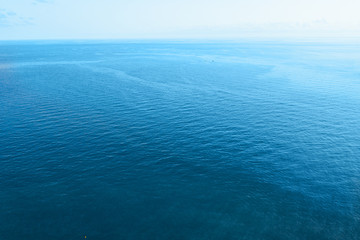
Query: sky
[178, 19]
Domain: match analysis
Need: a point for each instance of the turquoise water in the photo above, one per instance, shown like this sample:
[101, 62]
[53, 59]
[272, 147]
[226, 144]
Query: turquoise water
[158, 140]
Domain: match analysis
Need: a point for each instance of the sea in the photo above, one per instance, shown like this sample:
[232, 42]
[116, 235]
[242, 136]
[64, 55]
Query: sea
[179, 140]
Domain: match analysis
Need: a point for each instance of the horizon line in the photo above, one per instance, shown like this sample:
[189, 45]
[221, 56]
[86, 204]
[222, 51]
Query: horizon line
[188, 39]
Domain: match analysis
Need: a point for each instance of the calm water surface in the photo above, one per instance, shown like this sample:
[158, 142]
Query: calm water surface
[179, 141]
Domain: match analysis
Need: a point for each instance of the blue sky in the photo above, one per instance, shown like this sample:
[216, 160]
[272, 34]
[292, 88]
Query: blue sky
[228, 19]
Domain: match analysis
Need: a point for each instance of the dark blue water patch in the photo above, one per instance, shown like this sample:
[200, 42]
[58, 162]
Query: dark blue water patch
[179, 141]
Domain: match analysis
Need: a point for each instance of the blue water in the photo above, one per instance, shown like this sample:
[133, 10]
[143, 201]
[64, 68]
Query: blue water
[114, 140]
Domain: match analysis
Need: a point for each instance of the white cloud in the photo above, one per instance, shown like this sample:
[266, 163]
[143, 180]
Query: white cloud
[42, 1]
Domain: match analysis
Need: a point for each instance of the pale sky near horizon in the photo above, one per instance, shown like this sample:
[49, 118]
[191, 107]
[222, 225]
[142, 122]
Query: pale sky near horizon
[116, 19]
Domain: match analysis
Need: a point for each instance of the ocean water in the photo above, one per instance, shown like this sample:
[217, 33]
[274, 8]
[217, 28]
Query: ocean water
[176, 140]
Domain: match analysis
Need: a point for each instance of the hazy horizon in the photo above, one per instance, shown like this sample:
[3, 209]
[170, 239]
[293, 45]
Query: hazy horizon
[158, 19]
